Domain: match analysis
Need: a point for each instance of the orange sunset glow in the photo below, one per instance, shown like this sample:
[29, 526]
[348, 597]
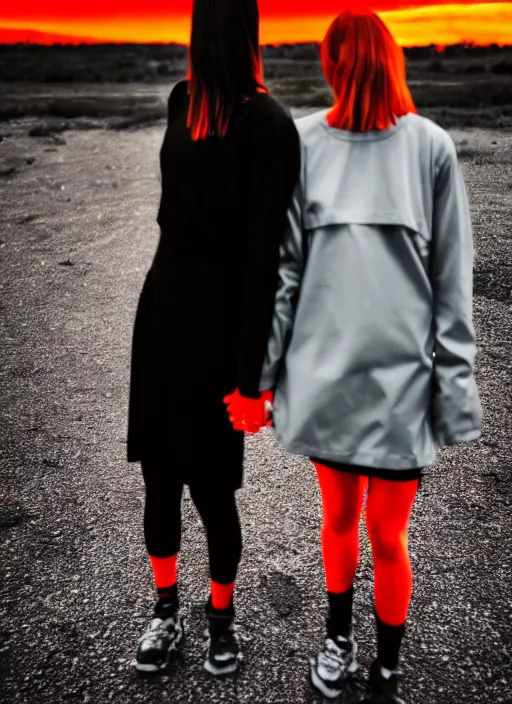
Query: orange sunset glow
[417, 23]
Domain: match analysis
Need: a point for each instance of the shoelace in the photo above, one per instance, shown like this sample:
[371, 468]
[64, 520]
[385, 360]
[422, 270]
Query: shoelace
[229, 631]
[157, 630]
[394, 673]
[224, 640]
[227, 639]
[332, 656]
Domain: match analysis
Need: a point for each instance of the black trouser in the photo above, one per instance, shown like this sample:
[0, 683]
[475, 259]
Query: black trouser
[218, 511]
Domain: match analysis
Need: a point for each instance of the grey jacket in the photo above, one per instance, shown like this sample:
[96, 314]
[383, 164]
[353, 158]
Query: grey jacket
[372, 348]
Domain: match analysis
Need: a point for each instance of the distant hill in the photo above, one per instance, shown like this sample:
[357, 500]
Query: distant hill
[301, 51]
[31, 36]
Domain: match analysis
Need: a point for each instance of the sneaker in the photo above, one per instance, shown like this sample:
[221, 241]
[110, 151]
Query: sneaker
[163, 635]
[224, 653]
[334, 665]
[383, 689]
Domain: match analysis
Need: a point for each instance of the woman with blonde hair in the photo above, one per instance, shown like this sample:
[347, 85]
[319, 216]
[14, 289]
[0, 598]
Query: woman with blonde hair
[372, 352]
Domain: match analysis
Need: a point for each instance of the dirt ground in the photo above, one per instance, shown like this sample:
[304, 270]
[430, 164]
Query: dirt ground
[77, 235]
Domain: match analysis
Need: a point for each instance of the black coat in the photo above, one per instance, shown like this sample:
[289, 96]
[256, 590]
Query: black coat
[205, 311]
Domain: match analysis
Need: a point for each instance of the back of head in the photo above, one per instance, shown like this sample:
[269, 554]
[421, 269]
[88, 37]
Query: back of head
[366, 69]
[224, 62]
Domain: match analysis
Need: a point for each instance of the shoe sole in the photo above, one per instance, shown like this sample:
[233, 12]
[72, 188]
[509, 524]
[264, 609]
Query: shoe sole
[148, 668]
[221, 671]
[227, 669]
[372, 700]
[320, 685]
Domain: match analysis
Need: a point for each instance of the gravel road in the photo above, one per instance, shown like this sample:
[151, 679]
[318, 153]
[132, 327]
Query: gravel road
[77, 234]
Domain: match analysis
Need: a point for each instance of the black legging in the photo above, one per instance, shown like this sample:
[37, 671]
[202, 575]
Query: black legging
[218, 511]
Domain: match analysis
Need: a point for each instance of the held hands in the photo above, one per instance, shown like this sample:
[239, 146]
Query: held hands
[249, 414]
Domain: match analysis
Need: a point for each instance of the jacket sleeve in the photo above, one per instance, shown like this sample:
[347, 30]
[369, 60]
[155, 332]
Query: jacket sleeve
[274, 170]
[291, 266]
[457, 411]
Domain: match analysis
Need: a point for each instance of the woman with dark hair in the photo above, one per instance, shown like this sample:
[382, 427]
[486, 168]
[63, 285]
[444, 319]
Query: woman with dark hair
[372, 349]
[229, 162]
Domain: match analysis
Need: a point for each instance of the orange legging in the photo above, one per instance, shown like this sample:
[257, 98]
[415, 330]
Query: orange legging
[388, 509]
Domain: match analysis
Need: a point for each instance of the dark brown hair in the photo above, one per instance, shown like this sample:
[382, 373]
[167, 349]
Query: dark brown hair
[224, 63]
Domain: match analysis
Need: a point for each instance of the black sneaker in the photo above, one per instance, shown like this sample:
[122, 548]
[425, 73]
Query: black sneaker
[336, 663]
[163, 635]
[224, 653]
[383, 690]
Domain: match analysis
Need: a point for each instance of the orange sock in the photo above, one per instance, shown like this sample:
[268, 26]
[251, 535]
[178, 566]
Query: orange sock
[164, 570]
[222, 594]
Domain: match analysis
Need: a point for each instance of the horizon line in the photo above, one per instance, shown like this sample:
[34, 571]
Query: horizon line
[81, 41]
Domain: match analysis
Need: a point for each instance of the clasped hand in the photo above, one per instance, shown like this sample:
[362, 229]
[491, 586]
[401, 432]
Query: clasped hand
[249, 414]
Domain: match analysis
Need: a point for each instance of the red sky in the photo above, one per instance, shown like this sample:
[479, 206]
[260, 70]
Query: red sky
[430, 21]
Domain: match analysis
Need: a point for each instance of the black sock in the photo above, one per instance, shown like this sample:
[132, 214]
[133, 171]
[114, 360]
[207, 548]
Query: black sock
[339, 622]
[168, 595]
[389, 640]
[220, 613]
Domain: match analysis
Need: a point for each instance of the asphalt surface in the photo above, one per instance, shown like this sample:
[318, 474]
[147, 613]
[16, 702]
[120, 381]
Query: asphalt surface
[77, 234]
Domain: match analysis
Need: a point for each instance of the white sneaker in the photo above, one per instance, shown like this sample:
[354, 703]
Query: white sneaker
[334, 665]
